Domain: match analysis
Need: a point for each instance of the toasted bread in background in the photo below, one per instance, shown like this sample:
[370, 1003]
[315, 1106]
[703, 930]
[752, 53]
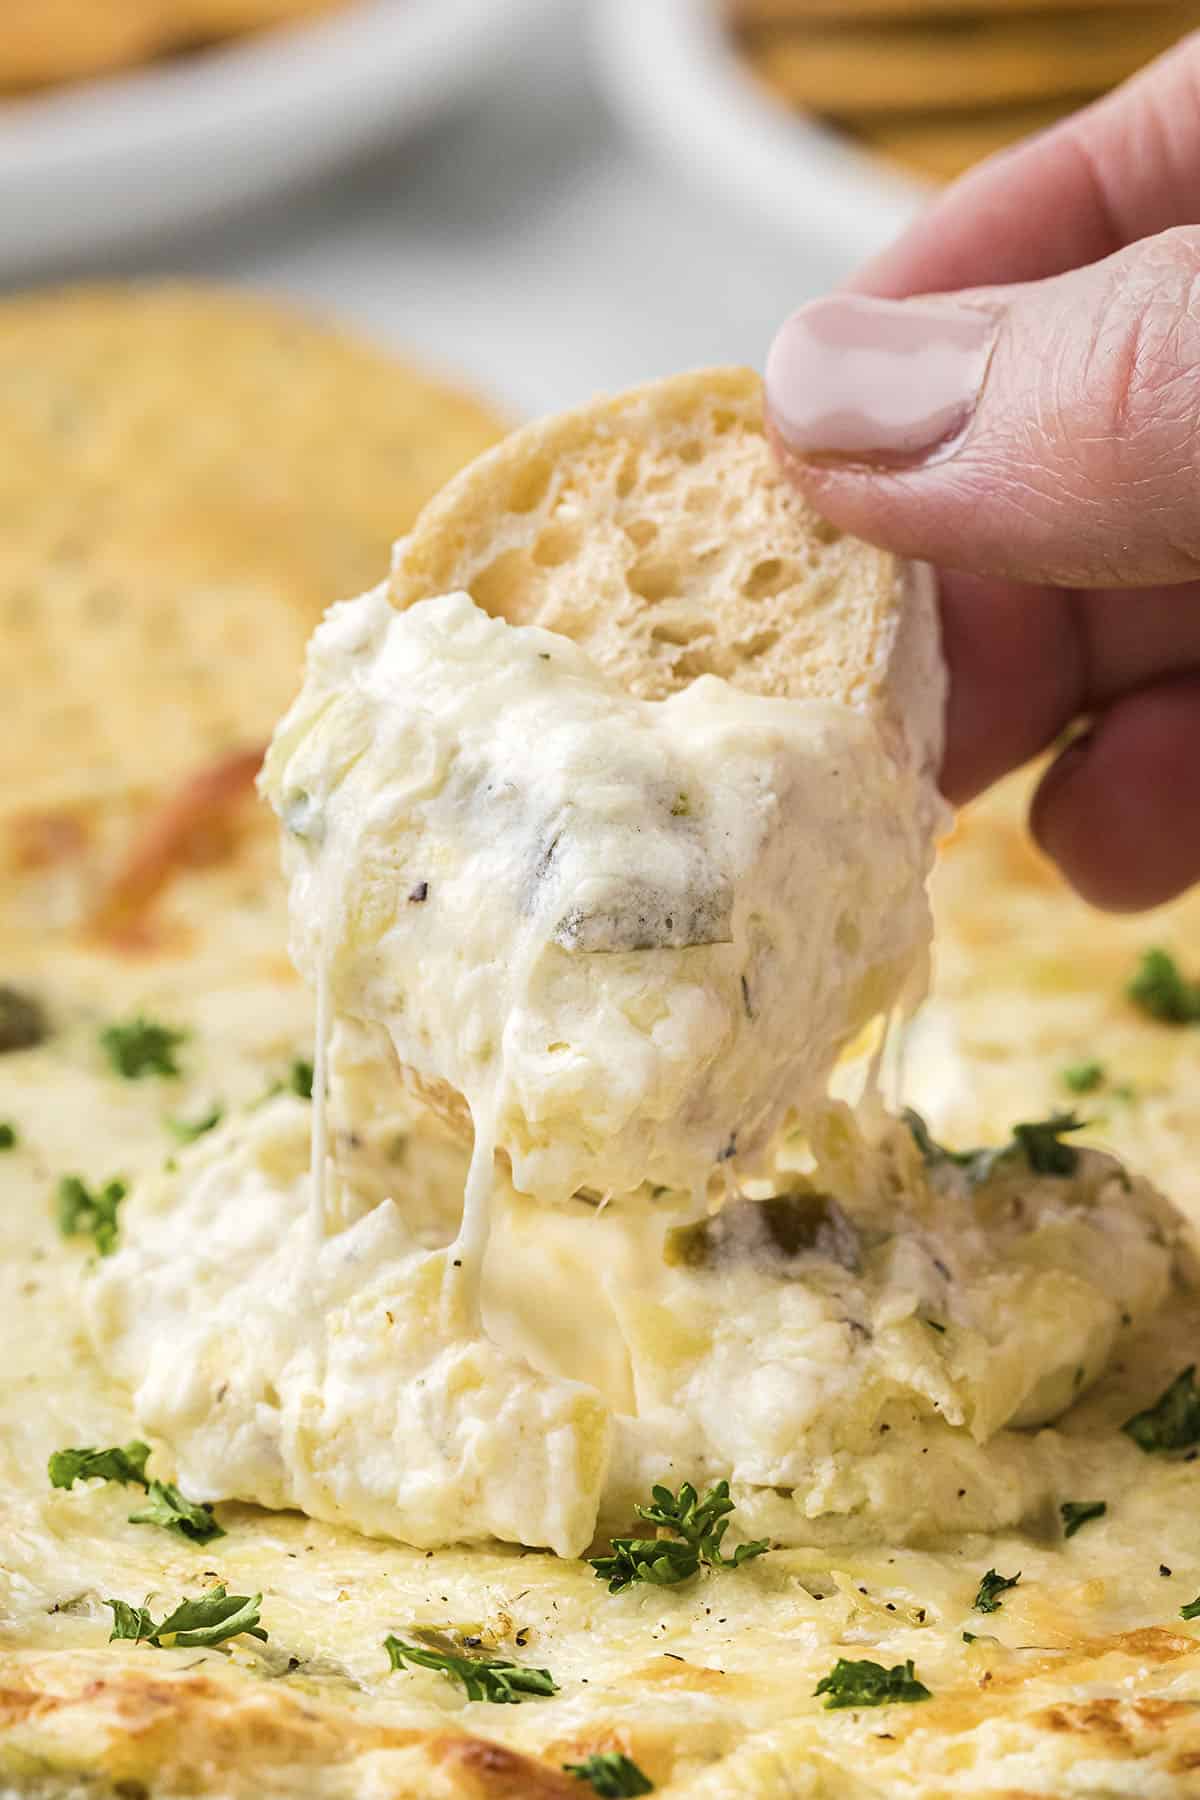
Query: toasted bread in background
[938, 84]
[48, 41]
[189, 477]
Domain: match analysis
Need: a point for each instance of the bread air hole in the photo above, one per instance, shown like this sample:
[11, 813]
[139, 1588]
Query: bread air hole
[654, 578]
[529, 485]
[767, 578]
[502, 587]
[556, 545]
[641, 532]
[678, 631]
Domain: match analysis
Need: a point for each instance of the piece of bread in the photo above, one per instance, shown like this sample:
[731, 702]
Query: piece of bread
[656, 530]
[951, 64]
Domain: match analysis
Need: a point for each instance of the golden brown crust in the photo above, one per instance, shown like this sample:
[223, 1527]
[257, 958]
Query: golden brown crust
[656, 529]
[65, 40]
[190, 477]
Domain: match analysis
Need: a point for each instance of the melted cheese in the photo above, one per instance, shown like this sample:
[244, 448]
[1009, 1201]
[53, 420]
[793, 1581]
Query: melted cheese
[635, 935]
[1084, 1683]
[810, 1351]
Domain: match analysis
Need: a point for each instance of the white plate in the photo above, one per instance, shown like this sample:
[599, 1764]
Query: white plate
[99, 164]
[668, 69]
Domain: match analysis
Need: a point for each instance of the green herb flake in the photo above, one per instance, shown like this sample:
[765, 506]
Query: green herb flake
[988, 1600]
[1161, 990]
[870, 1684]
[188, 1130]
[1173, 1422]
[82, 1213]
[1191, 1610]
[124, 1463]
[209, 1619]
[611, 1775]
[140, 1047]
[166, 1506]
[1077, 1513]
[300, 1079]
[491, 1678]
[681, 807]
[1083, 1077]
[1038, 1142]
[969, 1637]
[8, 1135]
[699, 1527]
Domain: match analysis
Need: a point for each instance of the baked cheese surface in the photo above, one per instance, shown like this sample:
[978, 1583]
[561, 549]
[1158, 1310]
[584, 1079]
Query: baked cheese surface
[1084, 1681]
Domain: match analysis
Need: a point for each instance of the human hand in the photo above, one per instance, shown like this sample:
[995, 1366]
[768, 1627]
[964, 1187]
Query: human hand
[1035, 432]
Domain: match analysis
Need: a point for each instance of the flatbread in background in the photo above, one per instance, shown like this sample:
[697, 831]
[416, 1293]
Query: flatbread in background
[786, 12]
[189, 478]
[47, 41]
[1083, 1682]
[948, 63]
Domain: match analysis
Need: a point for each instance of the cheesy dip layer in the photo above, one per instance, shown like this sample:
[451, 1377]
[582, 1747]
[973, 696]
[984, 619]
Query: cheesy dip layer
[633, 934]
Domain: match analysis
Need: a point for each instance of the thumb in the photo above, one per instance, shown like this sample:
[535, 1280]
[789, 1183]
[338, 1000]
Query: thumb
[1048, 432]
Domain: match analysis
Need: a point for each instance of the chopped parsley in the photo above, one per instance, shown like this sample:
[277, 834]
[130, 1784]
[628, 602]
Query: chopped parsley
[491, 1678]
[22, 1021]
[1191, 1610]
[611, 1775]
[165, 1505]
[209, 1619]
[300, 1078]
[1038, 1141]
[1161, 989]
[188, 1130]
[1077, 1513]
[82, 1213]
[988, 1600]
[1173, 1422]
[1083, 1077]
[699, 1527]
[8, 1135]
[140, 1047]
[124, 1463]
[870, 1684]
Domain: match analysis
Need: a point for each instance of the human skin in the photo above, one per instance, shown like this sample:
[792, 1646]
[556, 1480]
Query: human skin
[1034, 431]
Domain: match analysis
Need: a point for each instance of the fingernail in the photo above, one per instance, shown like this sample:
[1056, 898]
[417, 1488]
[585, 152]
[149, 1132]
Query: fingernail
[878, 380]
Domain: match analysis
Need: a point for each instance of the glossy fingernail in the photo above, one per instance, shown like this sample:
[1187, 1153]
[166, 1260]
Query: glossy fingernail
[878, 380]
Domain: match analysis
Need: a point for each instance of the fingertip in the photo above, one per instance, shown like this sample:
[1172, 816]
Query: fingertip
[1119, 810]
[1016, 677]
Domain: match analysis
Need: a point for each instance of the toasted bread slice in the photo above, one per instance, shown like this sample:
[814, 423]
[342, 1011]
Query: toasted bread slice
[655, 529]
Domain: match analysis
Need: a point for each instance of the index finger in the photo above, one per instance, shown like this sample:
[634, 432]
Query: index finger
[1122, 169]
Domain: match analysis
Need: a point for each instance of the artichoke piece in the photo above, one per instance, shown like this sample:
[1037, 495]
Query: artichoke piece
[783, 1229]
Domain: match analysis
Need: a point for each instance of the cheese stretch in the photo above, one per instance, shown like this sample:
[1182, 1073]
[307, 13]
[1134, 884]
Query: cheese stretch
[634, 935]
[634, 938]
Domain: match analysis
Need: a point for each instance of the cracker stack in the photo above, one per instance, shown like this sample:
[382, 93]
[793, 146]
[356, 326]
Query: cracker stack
[44, 42]
[937, 84]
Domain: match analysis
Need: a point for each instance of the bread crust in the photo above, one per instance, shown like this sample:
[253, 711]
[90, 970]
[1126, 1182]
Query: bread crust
[655, 528]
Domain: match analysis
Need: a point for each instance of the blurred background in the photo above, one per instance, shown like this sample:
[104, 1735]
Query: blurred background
[548, 197]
